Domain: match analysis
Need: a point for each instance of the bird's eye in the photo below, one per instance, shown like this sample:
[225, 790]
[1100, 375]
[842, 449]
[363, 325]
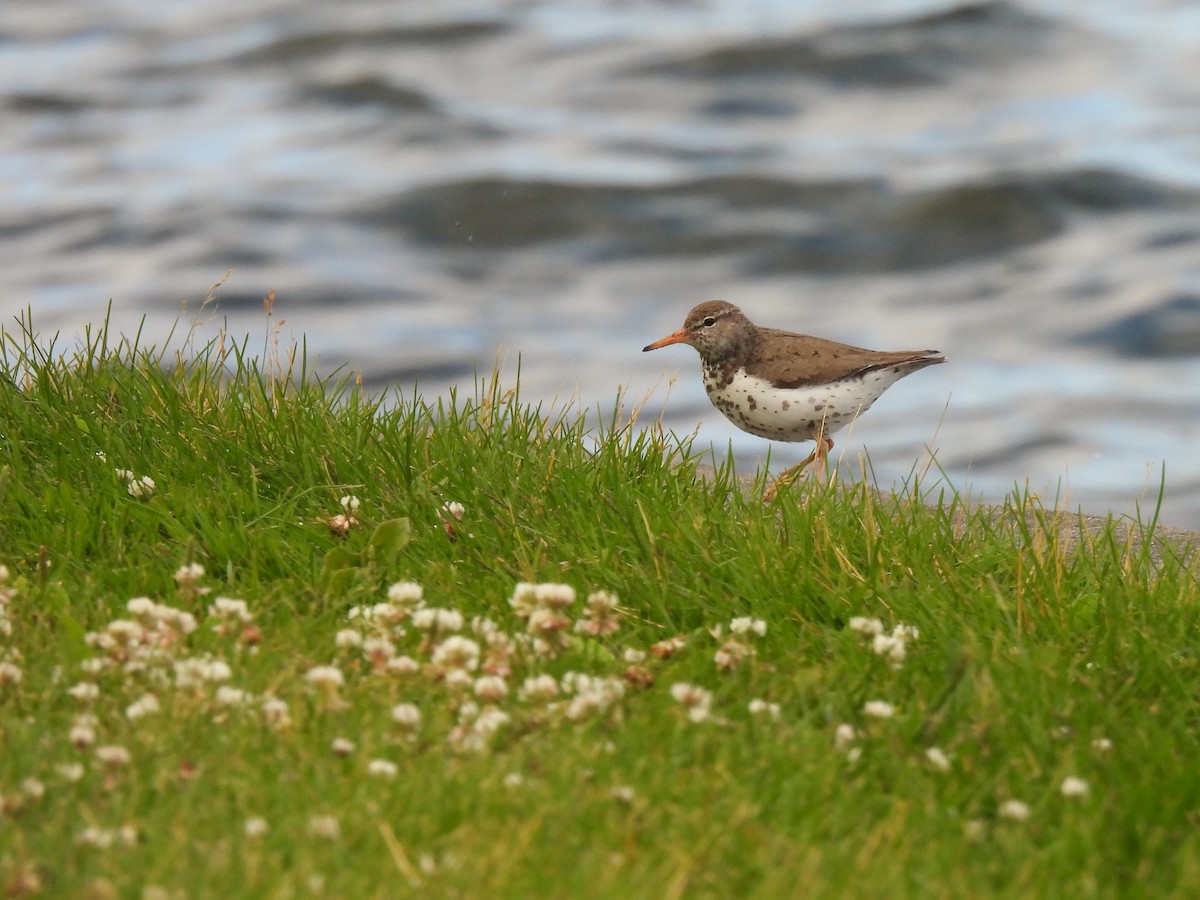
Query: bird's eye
[710, 321]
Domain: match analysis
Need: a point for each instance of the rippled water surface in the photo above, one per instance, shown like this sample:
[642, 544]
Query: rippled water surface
[428, 185]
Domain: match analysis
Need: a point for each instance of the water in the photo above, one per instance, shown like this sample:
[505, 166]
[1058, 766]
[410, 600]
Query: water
[431, 186]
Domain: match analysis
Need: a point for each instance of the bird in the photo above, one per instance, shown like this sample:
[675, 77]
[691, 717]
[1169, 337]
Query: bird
[785, 386]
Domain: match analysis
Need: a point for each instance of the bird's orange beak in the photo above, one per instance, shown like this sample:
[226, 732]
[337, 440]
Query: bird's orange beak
[678, 337]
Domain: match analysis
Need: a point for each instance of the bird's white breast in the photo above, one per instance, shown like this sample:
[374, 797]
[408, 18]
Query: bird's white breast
[795, 414]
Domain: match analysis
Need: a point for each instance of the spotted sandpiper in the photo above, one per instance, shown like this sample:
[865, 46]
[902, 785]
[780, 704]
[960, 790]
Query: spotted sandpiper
[785, 386]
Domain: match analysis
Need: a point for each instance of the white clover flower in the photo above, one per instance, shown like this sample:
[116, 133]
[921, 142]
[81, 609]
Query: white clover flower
[1073, 786]
[341, 746]
[457, 652]
[326, 827]
[490, 687]
[33, 788]
[94, 666]
[143, 706]
[748, 625]
[103, 838]
[890, 647]
[141, 607]
[403, 665]
[623, 793]
[484, 627]
[602, 603]
[538, 688]
[125, 475]
[430, 618]
[634, 656]
[454, 509]
[113, 755]
[406, 715]
[255, 827]
[844, 735]
[904, 632]
[869, 627]
[326, 678]
[523, 599]
[1013, 809]
[382, 768]
[467, 710]
[71, 772]
[229, 608]
[347, 639]
[593, 695]
[554, 596]
[879, 709]
[690, 694]
[759, 707]
[189, 574]
[194, 672]
[405, 593]
[82, 734]
[275, 713]
[184, 621]
[217, 671]
[547, 621]
[378, 649]
[10, 673]
[424, 618]
[457, 680]
[141, 487]
[938, 759]
[731, 654]
[85, 691]
[231, 696]
[490, 721]
[695, 698]
[350, 503]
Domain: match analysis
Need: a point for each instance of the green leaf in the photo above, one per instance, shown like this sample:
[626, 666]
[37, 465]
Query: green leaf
[341, 581]
[339, 558]
[389, 539]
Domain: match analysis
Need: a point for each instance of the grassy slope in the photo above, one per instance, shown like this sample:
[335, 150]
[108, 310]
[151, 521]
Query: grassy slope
[1026, 656]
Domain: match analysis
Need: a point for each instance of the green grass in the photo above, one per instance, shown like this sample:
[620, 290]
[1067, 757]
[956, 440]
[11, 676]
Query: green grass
[1027, 655]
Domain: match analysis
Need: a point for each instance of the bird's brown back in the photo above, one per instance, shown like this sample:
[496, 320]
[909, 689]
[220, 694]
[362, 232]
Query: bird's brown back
[802, 359]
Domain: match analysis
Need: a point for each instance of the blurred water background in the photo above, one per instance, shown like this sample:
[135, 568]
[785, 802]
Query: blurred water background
[426, 185]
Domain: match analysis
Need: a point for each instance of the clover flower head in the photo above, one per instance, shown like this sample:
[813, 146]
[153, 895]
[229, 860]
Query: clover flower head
[406, 715]
[1074, 786]
[863, 625]
[405, 594]
[938, 759]
[457, 652]
[382, 768]
[1014, 809]
[879, 709]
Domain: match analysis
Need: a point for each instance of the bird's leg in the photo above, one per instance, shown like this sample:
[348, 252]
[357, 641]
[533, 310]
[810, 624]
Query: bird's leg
[819, 455]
